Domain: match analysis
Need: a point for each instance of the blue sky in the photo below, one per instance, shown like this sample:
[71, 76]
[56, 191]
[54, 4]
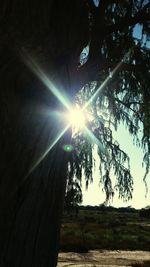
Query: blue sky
[96, 2]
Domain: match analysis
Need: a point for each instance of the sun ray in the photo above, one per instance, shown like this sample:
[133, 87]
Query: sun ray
[89, 133]
[106, 80]
[94, 140]
[102, 85]
[48, 150]
[31, 63]
[65, 101]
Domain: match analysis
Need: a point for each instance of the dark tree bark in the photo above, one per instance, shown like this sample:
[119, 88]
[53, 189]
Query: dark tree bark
[31, 205]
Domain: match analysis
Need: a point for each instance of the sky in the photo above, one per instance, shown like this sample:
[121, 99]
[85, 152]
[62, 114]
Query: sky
[95, 196]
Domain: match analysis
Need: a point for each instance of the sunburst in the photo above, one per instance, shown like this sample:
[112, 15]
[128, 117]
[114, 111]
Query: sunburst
[75, 116]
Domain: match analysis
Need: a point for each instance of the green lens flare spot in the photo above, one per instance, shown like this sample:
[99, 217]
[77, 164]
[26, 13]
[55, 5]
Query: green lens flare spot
[68, 148]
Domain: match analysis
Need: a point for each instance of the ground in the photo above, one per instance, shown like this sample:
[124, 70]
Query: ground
[105, 258]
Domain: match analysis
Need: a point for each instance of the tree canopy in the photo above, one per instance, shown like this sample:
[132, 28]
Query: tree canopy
[117, 91]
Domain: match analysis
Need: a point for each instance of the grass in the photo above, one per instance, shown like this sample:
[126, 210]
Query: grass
[104, 230]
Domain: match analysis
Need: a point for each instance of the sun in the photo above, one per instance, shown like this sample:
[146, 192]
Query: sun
[76, 119]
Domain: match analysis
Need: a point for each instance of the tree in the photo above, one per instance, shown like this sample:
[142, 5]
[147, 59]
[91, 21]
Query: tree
[54, 34]
[73, 197]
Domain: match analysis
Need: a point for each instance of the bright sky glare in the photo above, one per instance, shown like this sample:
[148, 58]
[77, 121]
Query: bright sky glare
[95, 196]
[77, 119]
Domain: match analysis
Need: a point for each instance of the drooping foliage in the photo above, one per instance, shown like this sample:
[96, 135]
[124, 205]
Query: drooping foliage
[119, 53]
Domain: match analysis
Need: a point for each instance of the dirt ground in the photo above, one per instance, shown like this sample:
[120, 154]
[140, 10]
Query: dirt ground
[103, 258]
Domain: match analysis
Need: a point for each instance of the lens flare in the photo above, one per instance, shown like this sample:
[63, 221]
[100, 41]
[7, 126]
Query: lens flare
[68, 148]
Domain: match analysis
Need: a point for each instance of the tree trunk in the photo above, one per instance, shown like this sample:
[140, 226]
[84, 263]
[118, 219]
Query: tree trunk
[31, 199]
[30, 220]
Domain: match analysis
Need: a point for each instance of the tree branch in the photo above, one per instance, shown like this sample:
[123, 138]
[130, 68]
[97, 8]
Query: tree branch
[90, 70]
[140, 17]
[90, 5]
[128, 105]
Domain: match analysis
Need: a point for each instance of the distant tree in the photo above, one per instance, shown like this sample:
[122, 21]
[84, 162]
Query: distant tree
[144, 213]
[83, 49]
[73, 197]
